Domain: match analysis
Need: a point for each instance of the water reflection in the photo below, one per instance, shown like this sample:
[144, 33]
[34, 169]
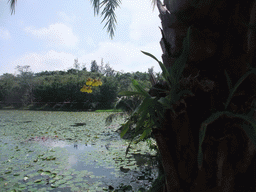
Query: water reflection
[77, 160]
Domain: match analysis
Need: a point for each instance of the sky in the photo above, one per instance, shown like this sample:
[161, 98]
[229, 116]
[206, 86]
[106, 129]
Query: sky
[49, 35]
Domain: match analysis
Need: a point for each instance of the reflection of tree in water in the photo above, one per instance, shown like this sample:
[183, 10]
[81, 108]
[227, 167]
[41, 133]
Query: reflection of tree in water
[75, 146]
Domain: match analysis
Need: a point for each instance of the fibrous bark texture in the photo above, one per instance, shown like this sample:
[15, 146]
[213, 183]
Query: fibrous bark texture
[220, 44]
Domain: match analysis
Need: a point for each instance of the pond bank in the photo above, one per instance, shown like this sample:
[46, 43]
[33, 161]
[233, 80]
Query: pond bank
[63, 106]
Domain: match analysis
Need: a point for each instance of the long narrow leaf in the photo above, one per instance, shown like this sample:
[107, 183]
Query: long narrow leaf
[167, 76]
[125, 129]
[145, 105]
[237, 84]
[180, 63]
[139, 88]
[202, 131]
[129, 93]
[145, 133]
[129, 146]
[228, 80]
[250, 132]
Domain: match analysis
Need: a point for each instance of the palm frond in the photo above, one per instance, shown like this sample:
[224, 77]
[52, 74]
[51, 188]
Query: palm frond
[96, 6]
[153, 3]
[12, 2]
[109, 14]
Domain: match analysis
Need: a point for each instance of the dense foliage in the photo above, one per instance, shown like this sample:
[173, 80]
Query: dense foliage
[61, 89]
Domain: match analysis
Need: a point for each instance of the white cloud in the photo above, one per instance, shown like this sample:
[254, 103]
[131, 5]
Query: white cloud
[144, 21]
[126, 57]
[56, 35]
[50, 61]
[4, 33]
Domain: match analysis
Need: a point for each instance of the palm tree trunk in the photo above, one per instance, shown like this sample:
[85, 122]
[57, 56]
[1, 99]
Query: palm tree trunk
[219, 43]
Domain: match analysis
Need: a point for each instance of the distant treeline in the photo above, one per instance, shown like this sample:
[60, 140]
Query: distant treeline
[61, 89]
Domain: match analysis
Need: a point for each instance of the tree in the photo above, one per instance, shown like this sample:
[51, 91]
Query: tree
[204, 138]
[94, 66]
[217, 57]
[76, 64]
[7, 82]
[101, 67]
[26, 84]
[109, 71]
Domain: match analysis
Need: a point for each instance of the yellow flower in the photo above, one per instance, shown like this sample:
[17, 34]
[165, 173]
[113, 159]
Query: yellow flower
[89, 81]
[89, 90]
[95, 83]
[99, 82]
[83, 89]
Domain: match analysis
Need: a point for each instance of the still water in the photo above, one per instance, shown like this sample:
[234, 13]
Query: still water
[69, 151]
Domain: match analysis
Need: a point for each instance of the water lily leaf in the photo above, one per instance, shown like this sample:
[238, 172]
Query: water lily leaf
[54, 186]
[46, 173]
[37, 181]
[58, 177]
[40, 171]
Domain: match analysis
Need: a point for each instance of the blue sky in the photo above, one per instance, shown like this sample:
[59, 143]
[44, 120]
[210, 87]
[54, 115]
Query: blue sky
[49, 35]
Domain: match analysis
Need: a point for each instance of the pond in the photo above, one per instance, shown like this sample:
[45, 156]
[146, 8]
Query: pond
[70, 151]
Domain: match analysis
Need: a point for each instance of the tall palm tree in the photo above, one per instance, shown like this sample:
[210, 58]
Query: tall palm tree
[218, 68]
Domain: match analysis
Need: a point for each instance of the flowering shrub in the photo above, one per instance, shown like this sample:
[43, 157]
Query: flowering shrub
[91, 83]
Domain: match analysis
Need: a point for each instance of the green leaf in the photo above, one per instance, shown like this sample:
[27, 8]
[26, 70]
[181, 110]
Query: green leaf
[202, 131]
[125, 129]
[96, 6]
[250, 131]
[139, 88]
[127, 149]
[184, 92]
[165, 102]
[180, 63]
[145, 105]
[145, 133]
[129, 93]
[167, 76]
[37, 181]
[253, 70]
[228, 80]
[150, 55]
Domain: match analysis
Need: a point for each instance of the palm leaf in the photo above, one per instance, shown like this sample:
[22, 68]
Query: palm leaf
[12, 2]
[109, 14]
[153, 3]
[96, 6]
